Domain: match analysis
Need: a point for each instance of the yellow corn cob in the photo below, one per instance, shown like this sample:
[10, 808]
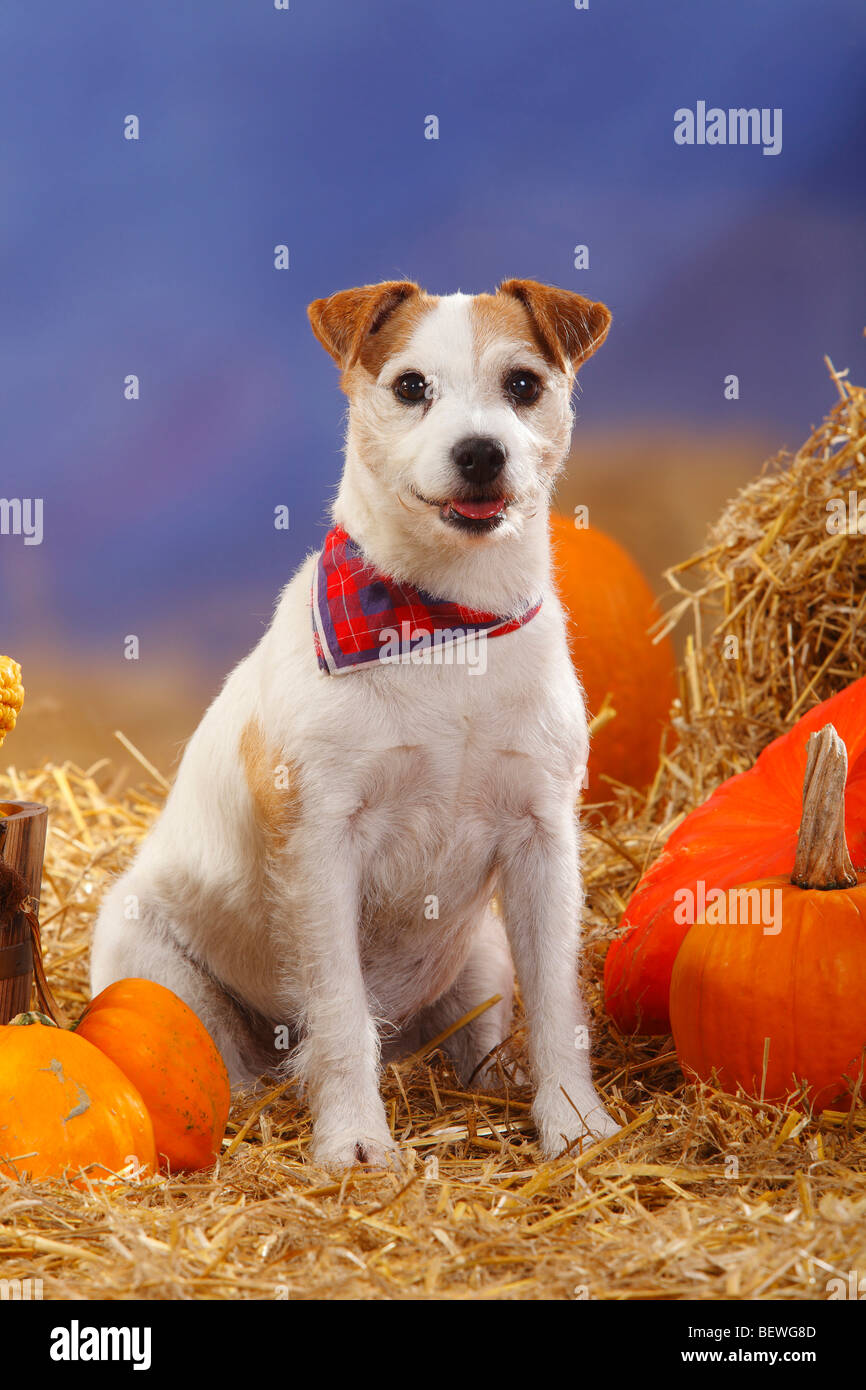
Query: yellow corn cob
[11, 694]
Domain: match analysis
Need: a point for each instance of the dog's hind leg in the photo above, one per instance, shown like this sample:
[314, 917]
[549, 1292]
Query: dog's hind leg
[148, 948]
[488, 971]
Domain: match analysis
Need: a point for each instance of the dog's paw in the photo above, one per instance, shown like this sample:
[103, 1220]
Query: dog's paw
[561, 1124]
[337, 1153]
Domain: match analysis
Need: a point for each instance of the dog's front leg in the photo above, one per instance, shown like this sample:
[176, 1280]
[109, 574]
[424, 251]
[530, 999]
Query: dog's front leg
[338, 1060]
[542, 900]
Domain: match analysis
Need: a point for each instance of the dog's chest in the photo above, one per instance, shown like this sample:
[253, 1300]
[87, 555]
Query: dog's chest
[434, 802]
[422, 801]
[427, 831]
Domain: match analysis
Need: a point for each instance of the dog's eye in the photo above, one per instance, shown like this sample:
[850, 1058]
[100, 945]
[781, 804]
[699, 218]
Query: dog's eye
[523, 386]
[411, 386]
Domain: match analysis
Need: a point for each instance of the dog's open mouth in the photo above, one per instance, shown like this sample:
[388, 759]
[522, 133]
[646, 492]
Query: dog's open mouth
[473, 515]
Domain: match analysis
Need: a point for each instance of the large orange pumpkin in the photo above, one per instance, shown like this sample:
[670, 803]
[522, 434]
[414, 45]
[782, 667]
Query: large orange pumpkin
[65, 1108]
[171, 1058]
[746, 830]
[610, 607]
[779, 1000]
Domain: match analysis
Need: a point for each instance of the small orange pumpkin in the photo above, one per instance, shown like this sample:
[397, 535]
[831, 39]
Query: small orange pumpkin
[65, 1108]
[771, 1004]
[610, 606]
[170, 1057]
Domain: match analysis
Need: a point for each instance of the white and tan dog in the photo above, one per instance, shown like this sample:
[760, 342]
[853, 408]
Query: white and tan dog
[316, 817]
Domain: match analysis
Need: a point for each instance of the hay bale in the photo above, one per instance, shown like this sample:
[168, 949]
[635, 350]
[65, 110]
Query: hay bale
[776, 600]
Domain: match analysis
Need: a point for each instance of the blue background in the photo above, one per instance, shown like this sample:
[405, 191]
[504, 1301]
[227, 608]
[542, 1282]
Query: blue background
[307, 127]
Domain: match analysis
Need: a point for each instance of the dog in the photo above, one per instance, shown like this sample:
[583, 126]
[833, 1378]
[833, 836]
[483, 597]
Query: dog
[360, 849]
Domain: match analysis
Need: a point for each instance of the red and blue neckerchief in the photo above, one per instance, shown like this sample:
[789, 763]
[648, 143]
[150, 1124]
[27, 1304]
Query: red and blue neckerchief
[357, 610]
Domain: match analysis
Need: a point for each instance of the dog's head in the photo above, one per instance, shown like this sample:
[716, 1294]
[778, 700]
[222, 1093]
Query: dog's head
[460, 406]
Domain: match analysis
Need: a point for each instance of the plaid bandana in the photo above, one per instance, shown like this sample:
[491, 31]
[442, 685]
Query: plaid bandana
[361, 616]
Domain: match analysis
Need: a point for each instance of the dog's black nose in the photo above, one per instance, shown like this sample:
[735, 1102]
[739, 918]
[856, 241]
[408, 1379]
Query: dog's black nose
[479, 458]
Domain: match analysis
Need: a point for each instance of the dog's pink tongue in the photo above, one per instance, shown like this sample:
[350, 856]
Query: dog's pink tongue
[479, 511]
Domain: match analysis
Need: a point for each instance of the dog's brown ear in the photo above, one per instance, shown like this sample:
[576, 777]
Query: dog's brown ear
[569, 328]
[343, 322]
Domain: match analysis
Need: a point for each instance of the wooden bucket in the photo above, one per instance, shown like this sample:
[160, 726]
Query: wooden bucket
[23, 827]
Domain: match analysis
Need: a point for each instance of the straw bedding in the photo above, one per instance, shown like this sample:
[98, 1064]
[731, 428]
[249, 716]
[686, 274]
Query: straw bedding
[701, 1195]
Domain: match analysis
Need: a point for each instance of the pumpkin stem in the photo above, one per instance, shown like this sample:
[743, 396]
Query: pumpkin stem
[822, 858]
